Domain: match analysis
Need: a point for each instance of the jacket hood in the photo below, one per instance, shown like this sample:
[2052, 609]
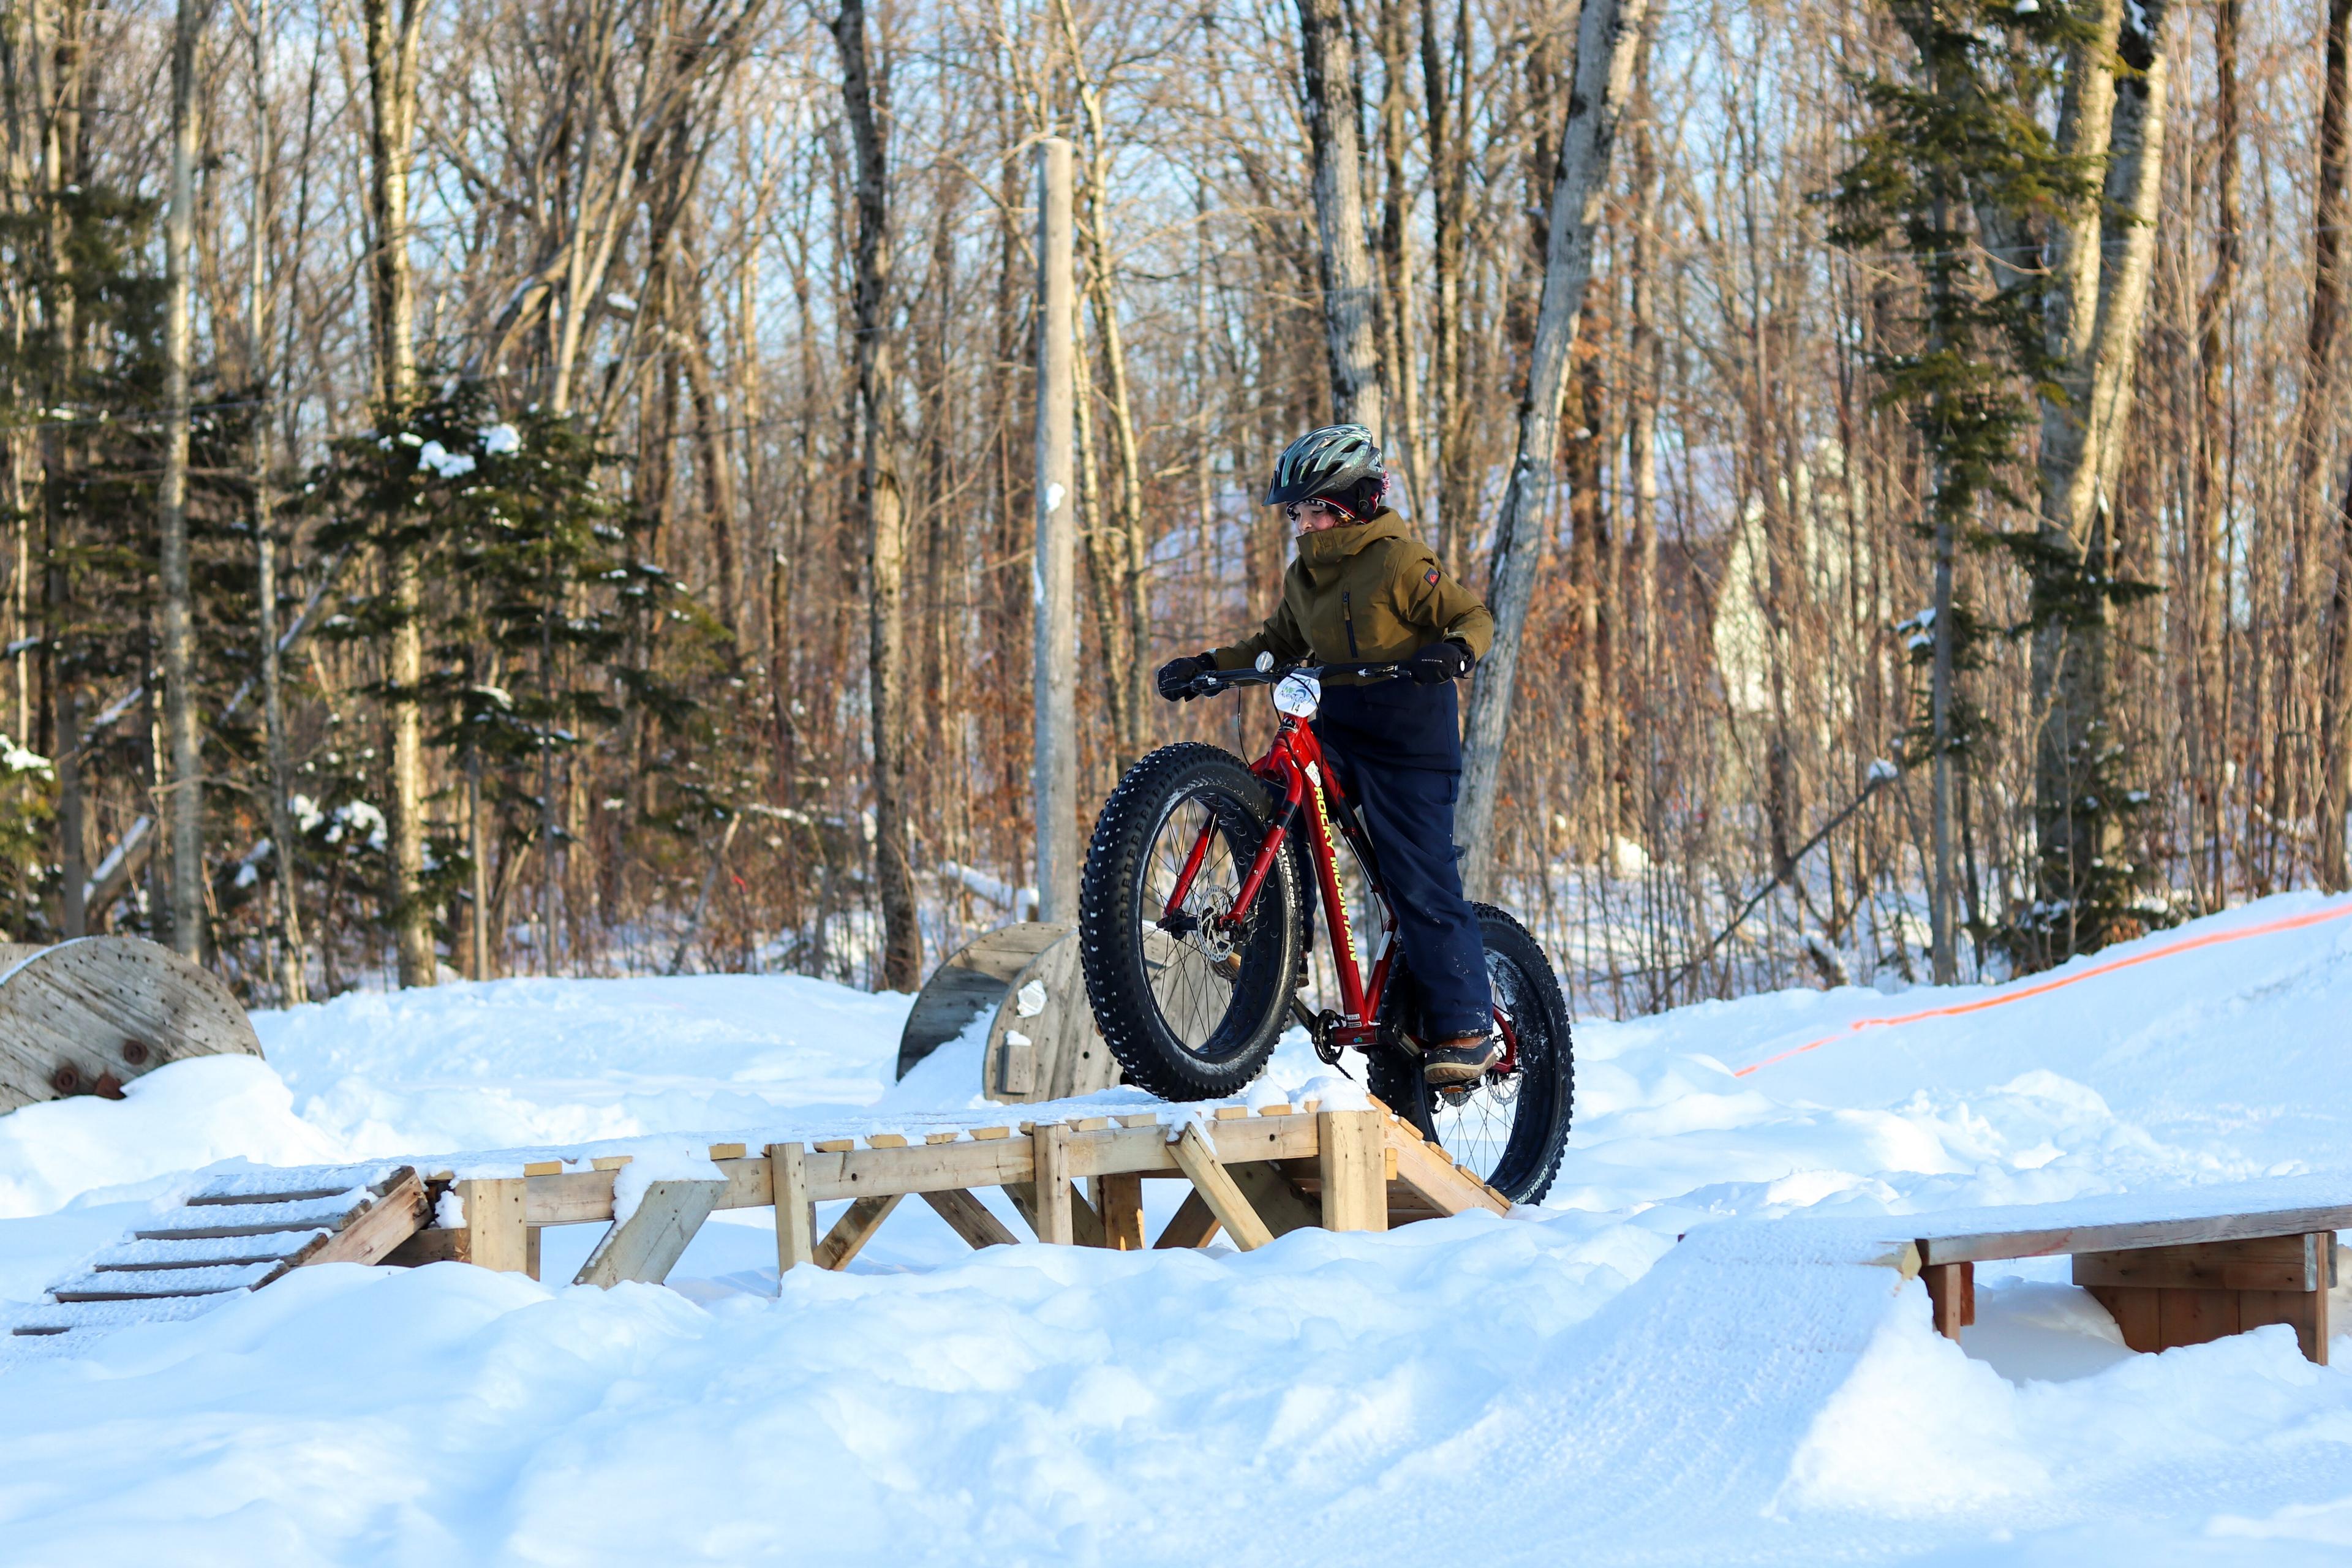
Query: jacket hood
[1334, 546]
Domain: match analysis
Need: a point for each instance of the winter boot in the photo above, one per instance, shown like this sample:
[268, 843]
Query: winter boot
[1460, 1060]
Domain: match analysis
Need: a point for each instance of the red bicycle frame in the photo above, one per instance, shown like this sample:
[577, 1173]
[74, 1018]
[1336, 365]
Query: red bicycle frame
[1295, 768]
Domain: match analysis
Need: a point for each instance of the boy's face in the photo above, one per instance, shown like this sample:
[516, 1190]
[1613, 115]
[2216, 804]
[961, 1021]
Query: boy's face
[1315, 516]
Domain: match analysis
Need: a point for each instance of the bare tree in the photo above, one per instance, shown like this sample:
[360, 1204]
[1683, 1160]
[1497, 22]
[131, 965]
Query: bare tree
[1350, 289]
[873, 410]
[1608, 39]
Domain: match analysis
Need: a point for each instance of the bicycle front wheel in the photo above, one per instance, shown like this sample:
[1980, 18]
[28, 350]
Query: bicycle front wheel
[1189, 1000]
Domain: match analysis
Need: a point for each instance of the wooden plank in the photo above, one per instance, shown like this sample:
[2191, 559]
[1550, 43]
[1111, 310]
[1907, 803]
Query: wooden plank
[569, 1197]
[853, 1229]
[1352, 1163]
[1086, 1223]
[1051, 1195]
[970, 1218]
[372, 1236]
[2194, 1317]
[434, 1243]
[1951, 1296]
[647, 1245]
[795, 1211]
[1216, 1187]
[542, 1168]
[2304, 1311]
[927, 1168]
[750, 1183]
[2044, 1243]
[1424, 1168]
[726, 1152]
[1272, 1195]
[1120, 1199]
[1193, 1225]
[496, 1230]
[2267, 1263]
[2134, 1308]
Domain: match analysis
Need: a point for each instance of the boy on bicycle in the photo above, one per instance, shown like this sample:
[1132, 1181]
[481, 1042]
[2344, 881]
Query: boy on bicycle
[1364, 590]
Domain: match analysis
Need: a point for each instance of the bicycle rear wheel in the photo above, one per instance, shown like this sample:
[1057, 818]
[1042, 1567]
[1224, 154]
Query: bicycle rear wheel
[1189, 1006]
[1508, 1127]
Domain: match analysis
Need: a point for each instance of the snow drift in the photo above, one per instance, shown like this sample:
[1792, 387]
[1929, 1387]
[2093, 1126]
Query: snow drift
[1577, 1385]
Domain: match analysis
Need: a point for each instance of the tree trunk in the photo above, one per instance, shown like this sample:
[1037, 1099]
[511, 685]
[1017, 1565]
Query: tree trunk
[1608, 40]
[2212, 717]
[2320, 380]
[184, 797]
[1350, 327]
[2103, 257]
[392, 50]
[880, 497]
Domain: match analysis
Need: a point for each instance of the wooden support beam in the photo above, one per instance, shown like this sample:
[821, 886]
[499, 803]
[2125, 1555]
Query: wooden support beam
[1193, 1225]
[795, 1213]
[1086, 1223]
[1951, 1296]
[2165, 1297]
[647, 1245]
[970, 1219]
[1217, 1188]
[1119, 1200]
[1050, 1197]
[376, 1232]
[1276, 1197]
[1353, 1165]
[2270, 1263]
[853, 1230]
[496, 1235]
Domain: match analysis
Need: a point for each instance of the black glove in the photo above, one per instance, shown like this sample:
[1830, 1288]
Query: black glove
[1176, 676]
[1441, 662]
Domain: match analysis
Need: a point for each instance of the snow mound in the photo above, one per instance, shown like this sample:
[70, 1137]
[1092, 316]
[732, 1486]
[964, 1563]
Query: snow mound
[1576, 1385]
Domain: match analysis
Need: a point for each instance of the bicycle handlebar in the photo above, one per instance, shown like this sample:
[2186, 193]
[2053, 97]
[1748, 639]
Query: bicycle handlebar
[1209, 682]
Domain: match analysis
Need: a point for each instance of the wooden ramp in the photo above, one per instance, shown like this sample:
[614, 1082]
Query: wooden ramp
[1075, 1182]
[233, 1234]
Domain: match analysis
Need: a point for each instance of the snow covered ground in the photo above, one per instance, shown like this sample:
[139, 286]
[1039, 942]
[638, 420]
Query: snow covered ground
[1568, 1386]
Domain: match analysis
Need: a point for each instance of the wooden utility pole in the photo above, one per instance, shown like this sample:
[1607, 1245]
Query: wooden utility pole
[1607, 43]
[282, 830]
[1055, 634]
[392, 50]
[183, 793]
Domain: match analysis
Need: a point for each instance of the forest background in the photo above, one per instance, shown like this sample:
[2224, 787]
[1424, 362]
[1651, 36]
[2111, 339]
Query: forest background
[546, 486]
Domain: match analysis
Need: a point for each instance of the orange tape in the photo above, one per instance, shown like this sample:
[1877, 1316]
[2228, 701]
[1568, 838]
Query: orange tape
[2042, 988]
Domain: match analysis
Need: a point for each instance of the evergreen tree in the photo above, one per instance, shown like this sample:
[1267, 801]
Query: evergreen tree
[1957, 152]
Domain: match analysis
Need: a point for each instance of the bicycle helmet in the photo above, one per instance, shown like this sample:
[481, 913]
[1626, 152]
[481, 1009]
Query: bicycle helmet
[1340, 464]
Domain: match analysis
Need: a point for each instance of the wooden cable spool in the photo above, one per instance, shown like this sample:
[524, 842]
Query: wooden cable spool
[87, 1017]
[1042, 1041]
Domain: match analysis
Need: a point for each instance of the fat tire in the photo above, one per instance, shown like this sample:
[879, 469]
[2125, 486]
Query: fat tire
[1111, 926]
[1546, 1100]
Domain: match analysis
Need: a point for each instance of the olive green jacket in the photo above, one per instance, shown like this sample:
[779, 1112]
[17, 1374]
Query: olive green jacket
[1368, 591]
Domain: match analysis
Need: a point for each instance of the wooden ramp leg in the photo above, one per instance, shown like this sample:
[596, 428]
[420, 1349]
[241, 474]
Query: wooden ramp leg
[1354, 1167]
[1952, 1294]
[1216, 1186]
[495, 1233]
[1120, 1200]
[853, 1230]
[970, 1219]
[647, 1245]
[795, 1214]
[1193, 1225]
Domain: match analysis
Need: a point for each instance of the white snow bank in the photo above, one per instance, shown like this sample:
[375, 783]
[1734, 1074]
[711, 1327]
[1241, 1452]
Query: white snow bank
[1582, 1388]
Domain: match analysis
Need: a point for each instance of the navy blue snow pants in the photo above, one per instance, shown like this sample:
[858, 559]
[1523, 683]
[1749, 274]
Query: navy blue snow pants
[1410, 813]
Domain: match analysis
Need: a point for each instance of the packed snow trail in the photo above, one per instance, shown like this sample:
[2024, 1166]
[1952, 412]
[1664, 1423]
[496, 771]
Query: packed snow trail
[1474, 1390]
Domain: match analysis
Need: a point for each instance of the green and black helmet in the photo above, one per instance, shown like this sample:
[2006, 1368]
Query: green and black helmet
[1340, 464]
